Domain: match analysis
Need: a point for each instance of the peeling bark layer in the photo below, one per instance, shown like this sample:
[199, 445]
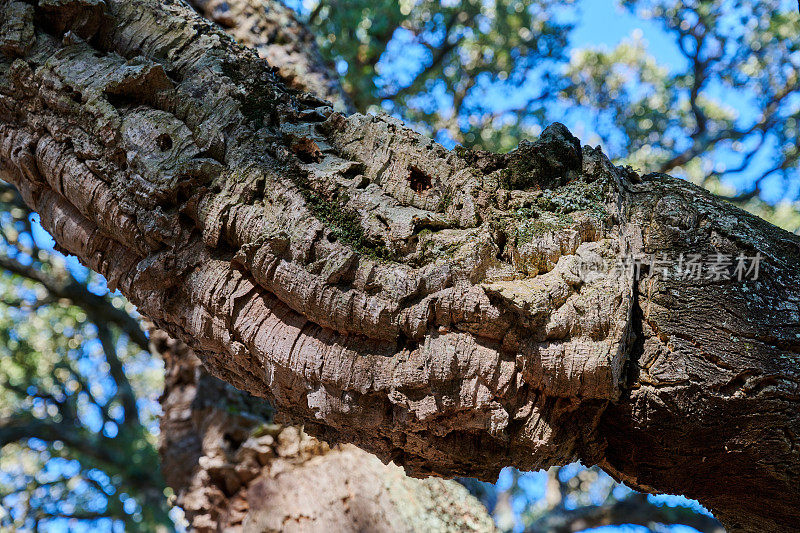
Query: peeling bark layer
[342, 266]
[433, 307]
[235, 470]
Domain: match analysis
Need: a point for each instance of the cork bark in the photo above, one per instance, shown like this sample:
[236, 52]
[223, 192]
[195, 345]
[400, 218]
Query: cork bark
[234, 469]
[431, 306]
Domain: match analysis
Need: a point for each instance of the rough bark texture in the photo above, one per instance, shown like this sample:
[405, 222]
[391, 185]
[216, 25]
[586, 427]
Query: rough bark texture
[712, 400]
[230, 467]
[235, 470]
[430, 306]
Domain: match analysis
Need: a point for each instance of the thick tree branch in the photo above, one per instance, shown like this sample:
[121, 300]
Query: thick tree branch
[431, 306]
[204, 467]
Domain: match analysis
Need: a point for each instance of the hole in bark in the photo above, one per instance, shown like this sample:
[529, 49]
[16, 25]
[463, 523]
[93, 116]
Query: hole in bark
[331, 237]
[233, 441]
[383, 221]
[353, 171]
[76, 97]
[185, 220]
[306, 150]
[397, 456]
[418, 180]
[502, 240]
[120, 100]
[404, 343]
[164, 142]
[181, 196]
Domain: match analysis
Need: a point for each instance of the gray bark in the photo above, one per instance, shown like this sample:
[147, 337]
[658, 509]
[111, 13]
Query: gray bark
[426, 305]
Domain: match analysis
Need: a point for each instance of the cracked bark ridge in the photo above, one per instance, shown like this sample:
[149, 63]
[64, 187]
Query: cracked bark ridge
[321, 278]
[235, 470]
[433, 307]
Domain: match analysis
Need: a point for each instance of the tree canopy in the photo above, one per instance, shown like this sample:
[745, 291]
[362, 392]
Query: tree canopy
[77, 385]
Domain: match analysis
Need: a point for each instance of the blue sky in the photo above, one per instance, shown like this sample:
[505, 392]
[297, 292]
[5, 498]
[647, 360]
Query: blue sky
[605, 23]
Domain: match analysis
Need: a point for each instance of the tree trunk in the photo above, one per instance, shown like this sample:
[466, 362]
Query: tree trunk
[433, 307]
[235, 470]
[271, 29]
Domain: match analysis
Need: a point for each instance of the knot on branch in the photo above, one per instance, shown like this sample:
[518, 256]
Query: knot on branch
[552, 160]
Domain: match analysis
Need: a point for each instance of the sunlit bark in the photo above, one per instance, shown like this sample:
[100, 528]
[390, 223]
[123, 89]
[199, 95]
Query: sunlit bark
[430, 306]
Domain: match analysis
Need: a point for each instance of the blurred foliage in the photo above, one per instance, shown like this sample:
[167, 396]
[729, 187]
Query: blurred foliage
[727, 118]
[574, 498]
[521, 499]
[77, 424]
[452, 69]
